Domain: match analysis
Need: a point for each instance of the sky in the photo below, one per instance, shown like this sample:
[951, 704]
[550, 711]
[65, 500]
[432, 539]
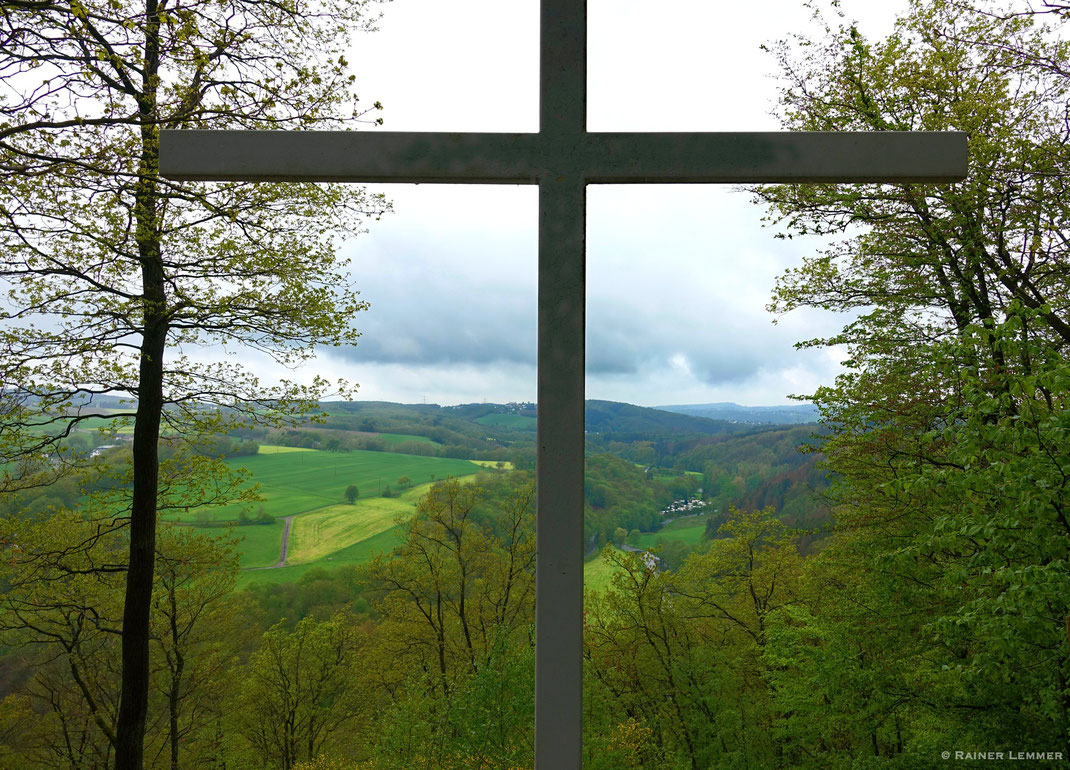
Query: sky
[678, 275]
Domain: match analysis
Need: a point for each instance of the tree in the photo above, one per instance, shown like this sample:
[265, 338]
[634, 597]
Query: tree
[297, 692]
[198, 627]
[113, 275]
[944, 432]
[63, 602]
[457, 607]
[404, 481]
[352, 493]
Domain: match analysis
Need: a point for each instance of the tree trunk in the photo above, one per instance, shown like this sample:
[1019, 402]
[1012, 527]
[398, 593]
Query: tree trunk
[133, 704]
[173, 697]
[134, 697]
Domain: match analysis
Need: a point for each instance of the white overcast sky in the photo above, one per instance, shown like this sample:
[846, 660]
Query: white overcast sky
[678, 276]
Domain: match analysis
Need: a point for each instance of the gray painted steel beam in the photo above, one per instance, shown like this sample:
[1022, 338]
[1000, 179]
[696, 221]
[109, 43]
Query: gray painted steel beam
[559, 474]
[798, 156]
[560, 437]
[347, 156]
[599, 158]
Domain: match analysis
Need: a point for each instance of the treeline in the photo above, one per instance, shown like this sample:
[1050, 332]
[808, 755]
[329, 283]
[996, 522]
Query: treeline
[747, 655]
[443, 443]
[417, 658]
[779, 468]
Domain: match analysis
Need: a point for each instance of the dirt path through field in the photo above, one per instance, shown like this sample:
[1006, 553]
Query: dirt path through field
[285, 541]
[282, 555]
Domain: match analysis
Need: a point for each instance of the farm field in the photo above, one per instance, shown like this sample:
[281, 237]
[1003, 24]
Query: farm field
[357, 553]
[326, 531]
[259, 544]
[121, 427]
[296, 482]
[686, 528]
[506, 465]
[669, 477]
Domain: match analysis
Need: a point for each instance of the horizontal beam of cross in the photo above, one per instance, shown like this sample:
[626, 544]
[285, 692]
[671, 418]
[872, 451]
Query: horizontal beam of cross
[597, 158]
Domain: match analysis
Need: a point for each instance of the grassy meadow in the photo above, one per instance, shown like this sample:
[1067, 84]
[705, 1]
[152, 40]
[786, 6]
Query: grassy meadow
[326, 531]
[310, 485]
[323, 532]
[356, 553]
[294, 482]
[686, 528]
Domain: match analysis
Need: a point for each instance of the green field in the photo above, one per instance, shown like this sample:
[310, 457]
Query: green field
[668, 478]
[260, 544]
[508, 421]
[115, 425]
[686, 528]
[597, 573]
[322, 533]
[355, 554]
[506, 465]
[296, 482]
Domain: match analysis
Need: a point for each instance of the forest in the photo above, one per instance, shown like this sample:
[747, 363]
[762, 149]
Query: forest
[897, 595]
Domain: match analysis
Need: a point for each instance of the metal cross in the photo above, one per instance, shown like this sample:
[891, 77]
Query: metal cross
[562, 158]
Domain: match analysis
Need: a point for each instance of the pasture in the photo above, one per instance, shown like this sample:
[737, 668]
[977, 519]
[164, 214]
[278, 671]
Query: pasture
[686, 528]
[260, 544]
[294, 482]
[321, 533]
[506, 465]
[328, 534]
[120, 426]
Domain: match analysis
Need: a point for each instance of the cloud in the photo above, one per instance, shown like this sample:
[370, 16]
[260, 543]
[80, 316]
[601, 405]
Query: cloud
[678, 276]
[678, 279]
[451, 278]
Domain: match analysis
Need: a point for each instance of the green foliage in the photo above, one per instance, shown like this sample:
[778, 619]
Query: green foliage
[112, 275]
[510, 421]
[618, 494]
[679, 654]
[352, 493]
[297, 694]
[455, 605]
[939, 611]
[62, 605]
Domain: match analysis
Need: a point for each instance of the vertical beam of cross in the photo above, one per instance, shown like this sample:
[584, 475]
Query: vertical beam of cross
[561, 356]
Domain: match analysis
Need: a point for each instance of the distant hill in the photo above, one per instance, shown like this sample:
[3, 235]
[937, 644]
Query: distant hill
[516, 422]
[627, 422]
[752, 415]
